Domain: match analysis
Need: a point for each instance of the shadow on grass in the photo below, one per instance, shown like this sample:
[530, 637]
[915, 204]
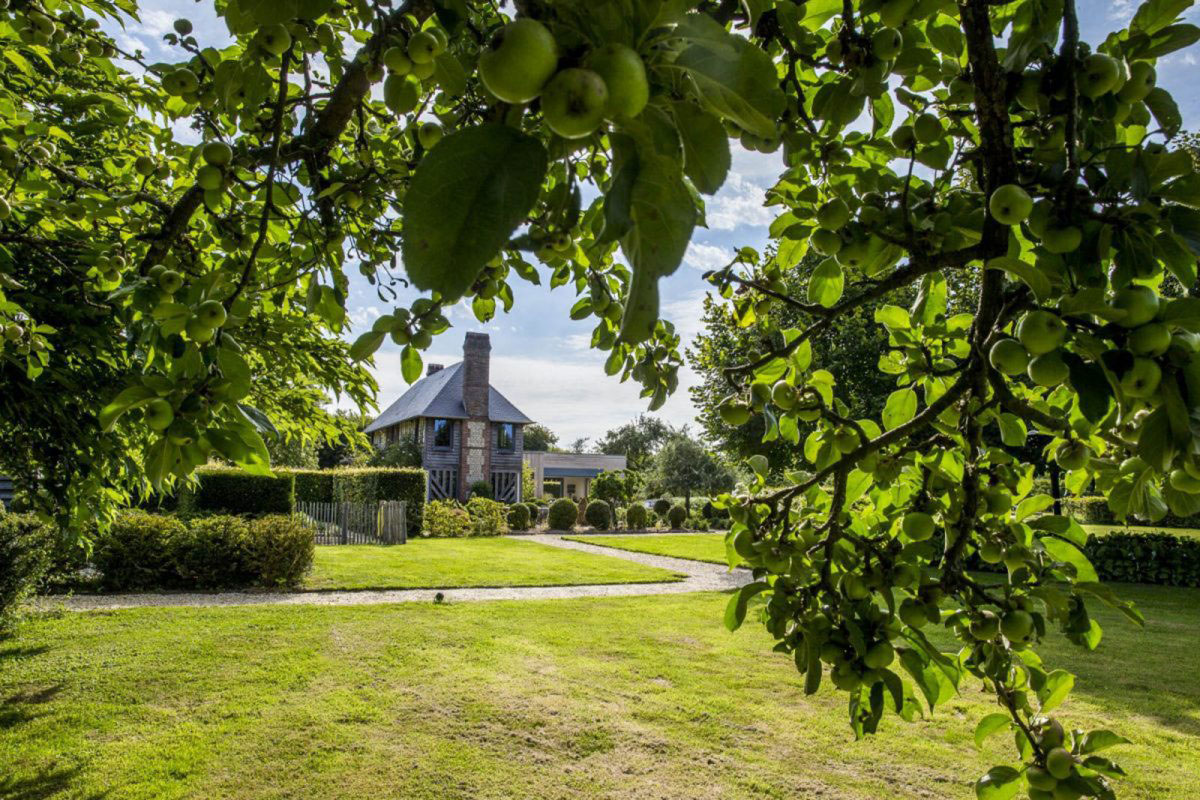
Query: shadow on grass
[41, 786]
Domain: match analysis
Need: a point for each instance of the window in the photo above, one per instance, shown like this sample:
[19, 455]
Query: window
[505, 436]
[443, 433]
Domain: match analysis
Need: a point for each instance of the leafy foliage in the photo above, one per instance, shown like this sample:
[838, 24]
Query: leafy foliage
[231, 491]
[446, 519]
[635, 517]
[518, 517]
[562, 515]
[539, 437]
[976, 149]
[26, 548]
[599, 514]
[676, 516]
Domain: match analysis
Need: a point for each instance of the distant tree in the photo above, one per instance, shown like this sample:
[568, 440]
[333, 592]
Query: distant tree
[637, 440]
[579, 445]
[406, 453]
[539, 437]
[682, 466]
[351, 447]
[295, 452]
[616, 487]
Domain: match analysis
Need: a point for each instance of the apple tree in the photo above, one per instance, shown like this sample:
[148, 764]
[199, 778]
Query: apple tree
[450, 145]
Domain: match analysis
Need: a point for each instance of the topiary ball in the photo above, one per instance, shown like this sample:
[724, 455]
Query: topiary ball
[599, 515]
[563, 513]
[635, 517]
[677, 515]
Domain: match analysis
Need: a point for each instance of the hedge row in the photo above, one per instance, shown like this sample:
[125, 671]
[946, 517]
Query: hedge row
[26, 547]
[1095, 511]
[232, 491]
[1158, 558]
[152, 551]
[366, 485]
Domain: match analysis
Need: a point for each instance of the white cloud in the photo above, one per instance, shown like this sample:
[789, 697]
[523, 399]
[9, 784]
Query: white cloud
[156, 22]
[739, 203]
[1122, 10]
[706, 256]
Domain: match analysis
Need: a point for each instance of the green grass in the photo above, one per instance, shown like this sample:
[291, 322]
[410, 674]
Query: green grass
[457, 563]
[595, 698]
[1103, 530]
[708, 547]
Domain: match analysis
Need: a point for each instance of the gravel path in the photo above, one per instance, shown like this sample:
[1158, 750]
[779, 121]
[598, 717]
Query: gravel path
[701, 577]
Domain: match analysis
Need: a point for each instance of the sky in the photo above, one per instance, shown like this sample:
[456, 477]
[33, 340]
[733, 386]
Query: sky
[540, 357]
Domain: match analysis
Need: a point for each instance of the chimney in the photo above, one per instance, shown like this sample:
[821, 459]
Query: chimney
[477, 350]
[432, 368]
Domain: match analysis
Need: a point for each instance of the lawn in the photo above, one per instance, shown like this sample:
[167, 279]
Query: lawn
[696, 546]
[594, 698]
[1102, 530]
[457, 563]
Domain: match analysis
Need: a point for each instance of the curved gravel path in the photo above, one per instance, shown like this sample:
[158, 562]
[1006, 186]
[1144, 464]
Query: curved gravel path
[701, 577]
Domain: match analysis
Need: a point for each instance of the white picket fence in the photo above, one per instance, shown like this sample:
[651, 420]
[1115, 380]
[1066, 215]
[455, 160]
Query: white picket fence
[357, 523]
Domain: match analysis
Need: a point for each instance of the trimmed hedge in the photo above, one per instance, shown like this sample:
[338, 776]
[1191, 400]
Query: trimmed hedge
[1095, 511]
[375, 484]
[677, 515]
[661, 507]
[314, 485]
[599, 515]
[635, 517]
[563, 513]
[518, 517]
[26, 551]
[150, 551]
[232, 491]
[1157, 558]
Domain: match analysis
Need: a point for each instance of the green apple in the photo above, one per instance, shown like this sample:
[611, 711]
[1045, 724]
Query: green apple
[845, 440]
[159, 414]
[429, 134]
[1008, 356]
[1017, 625]
[5, 209]
[1140, 304]
[423, 71]
[180, 82]
[734, 411]
[826, 243]
[853, 253]
[886, 43]
[211, 313]
[912, 613]
[573, 102]
[986, 627]
[1048, 369]
[625, 76]
[401, 93]
[1183, 481]
[1142, 78]
[917, 526]
[833, 214]
[218, 154]
[895, 12]
[522, 57]
[197, 331]
[1041, 332]
[1062, 240]
[170, 281]
[998, 501]
[903, 138]
[1142, 379]
[927, 128]
[210, 178]
[1010, 204]
[181, 433]
[1060, 763]
[1072, 455]
[784, 395]
[1151, 339]
[144, 165]
[275, 39]
[397, 61]
[1039, 778]
[879, 655]
[423, 47]
[991, 553]
[1099, 75]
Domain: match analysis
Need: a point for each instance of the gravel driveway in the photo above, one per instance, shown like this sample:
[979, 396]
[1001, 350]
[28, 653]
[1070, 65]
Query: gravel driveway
[701, 577]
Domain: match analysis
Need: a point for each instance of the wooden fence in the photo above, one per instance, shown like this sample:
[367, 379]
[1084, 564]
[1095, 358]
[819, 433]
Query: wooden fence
[357, 523]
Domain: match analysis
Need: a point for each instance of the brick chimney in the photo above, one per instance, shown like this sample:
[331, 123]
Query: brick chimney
[477, 349]
[432, 368]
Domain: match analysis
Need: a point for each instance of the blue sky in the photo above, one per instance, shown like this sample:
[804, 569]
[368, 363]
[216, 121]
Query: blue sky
[540, 357]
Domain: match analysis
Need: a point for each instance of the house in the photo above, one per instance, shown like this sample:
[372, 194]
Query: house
[467, 430]
[570, 473]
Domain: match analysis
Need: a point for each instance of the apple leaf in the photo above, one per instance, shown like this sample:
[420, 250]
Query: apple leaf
[410, 364]
[1165, 111]
[366, 345]
[467, 196]
[706, 155]
[1154, 15]
[1028, 274]
[1000, 783]
[990, 724]
[901, 406]
[826, 284]
[663, 213]
[735, 610]
[734, 77]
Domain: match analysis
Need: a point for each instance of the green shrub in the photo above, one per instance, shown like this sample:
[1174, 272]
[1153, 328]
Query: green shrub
[137, 552]
[370, 486]
[518, 517]
[481, 489]
[446, 519]
[661, 507]
[150, 551]
[676, 516]
[232, 491]
[404, 453]
[212, 553]
[599, 515]
[26, 551]
[281, 550]
[635, 517]
[563, 513]
[1158, 558]
[313, 485]
[696, 522]
[535, 511]
[487, 517]
[712, 513]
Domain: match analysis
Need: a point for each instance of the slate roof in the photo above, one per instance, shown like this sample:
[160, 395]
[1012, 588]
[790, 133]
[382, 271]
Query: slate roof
[440, 395]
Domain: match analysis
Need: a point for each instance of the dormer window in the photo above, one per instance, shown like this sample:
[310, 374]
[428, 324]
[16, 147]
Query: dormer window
[506, 438]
